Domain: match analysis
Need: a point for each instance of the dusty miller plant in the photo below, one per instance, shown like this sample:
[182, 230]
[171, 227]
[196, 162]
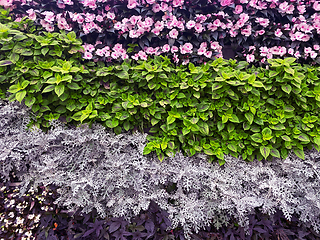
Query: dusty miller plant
[96, 169]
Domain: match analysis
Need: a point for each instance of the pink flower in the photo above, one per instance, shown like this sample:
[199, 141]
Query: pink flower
[226, 2]
[156, 31]
[32, 14]
[208, 54]
[307, 50]
[301, 9]
[238, 9]
[246, 32]
[68, 2]
[264, 22]
[142, 55]
[174, 49]
[313, 55]
[198, 27]
[87, 55]
[260, 32]
[6, 3]
[316, 6]
[190, 24]
[111, 15]
[215, 45]
[217, 23]
[188, 46]
[316, 47]
[151, 1]
[132, 4]
[156, 8]
[250, 58]
[290, 51]
[163, 7]
[100, 52]
[201, 51]
[278, 33]
[173, 33]
[282, 51]
[297, 54]
[264, 51]
[166, 48]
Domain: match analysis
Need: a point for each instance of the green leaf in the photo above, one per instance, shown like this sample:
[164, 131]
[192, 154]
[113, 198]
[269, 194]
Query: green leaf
[48, 89]
[275, 153]
[73, 86]
[203, 107]
[170, 119]
[185, 131]
[112, 123]
[249, 116]
[288, 108]
[208, 152]
[154, 121]
[47, 74]
[299, 153]
[29, 101]
[216, 86]
[149, 77]
[220, 126]
[126, 125]
[20, 95]
[44, 51]
[257, 84]
[194, 120]
[59, 89]
[234, 118]
[316, 140]
[124, 116]
[265, 151]
[5, 63]
[286, 138]
[286, 88]
[204, 128]
[289, 70]
[232, 147]
[257, 137]
[123, 75]
[303, 137]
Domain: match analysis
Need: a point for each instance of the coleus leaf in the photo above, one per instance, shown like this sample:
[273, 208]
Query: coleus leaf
[265, 151]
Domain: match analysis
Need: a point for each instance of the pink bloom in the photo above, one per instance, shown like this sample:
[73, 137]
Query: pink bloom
[111, 15]
[238, 9]
[203, 45]
[316, 47]
[142, 55]
[163, 7]
[68, 2]
[301, 9]
[188, 46]
[198, 27]
[173, 33]
[264, 51]
[282, 51]
[307, 50]
[250, 58]
[297, 54]
[151, 1]
[313, 55]
[226, 2]
[208, 54]
[246, 32]
[156, 31]
[190, 24]
[215, 45]
[32, 14]
[316, 6]
[166, 48]
[117, 25]
[217, 23]
[132, 4]
[87, 55]
[100, 52]
[261, 32]
[6, 3]
[264, 22]
[278, 33]
[290, 51]
[174, 49]
[156, 8]
[201, 51]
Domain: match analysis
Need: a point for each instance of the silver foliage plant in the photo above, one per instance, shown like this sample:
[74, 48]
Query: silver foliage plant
[97, 169]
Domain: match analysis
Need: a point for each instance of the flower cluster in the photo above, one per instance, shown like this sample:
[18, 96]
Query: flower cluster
[161, 23]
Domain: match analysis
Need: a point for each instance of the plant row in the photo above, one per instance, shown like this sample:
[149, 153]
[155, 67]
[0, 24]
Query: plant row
[222, 107]
[186, 31]
[96, 170]
[35, 216]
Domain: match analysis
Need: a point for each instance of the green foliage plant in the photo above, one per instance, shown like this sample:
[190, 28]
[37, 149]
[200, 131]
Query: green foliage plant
[218, 108]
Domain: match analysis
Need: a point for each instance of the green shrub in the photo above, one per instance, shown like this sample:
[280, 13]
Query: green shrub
[222, 107]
